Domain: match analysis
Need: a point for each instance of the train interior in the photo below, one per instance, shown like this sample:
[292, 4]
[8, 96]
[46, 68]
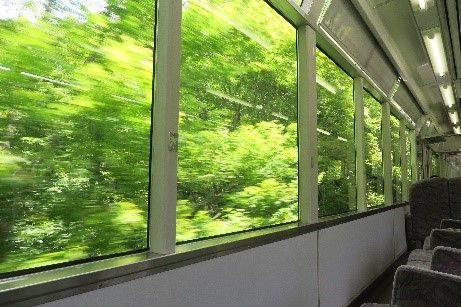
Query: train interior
[230, 153]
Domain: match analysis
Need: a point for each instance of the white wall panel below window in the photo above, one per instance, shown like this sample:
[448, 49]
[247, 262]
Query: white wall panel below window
[285, 273]
[279, 274]
[352, 255]
[400, 242]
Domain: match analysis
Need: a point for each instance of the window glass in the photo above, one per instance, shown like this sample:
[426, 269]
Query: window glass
[395, 152]
[408, 153]
[336, 144]
[373, 151]
[434, 163]
[75, 100]
[238, 151]
[419, 162]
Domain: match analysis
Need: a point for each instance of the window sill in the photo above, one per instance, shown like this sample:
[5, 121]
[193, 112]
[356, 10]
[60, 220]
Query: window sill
[39, 288]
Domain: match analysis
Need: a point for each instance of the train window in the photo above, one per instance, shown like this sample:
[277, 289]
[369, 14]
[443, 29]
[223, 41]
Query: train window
[373, 151]
[434, 163]
[396, 169]
[238, 152]
[408, 153]
[336, 144]
[75, 101]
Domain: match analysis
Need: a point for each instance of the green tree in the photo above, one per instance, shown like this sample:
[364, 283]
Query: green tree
[396, 167]
[374, 152]
[75, 119]
[75, 102]
[336, 144]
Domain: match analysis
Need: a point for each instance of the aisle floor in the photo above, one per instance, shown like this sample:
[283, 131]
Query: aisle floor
[381, 293]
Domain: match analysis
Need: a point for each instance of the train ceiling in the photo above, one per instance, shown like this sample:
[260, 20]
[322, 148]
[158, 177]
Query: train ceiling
[409, 48]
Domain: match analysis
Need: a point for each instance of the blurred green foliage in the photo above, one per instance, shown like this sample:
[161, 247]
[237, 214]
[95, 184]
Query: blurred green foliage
[238, 113]
[75, 101]
[336, 145]
[373, 151]
[395, 153]
[75, 118]
[435, 166]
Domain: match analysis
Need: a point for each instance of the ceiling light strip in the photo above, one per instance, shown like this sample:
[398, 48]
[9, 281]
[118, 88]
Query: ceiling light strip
[436, 51]
[323, 131]
[447, 95]
[46, 79]
[454, 118]
[422, 4]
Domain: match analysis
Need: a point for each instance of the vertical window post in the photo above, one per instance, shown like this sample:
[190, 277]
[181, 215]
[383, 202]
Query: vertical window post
[414, 166]
[387, 159]
[426, 162]
[403, 160]
[307, 121]
[162, 211]
[360, 144]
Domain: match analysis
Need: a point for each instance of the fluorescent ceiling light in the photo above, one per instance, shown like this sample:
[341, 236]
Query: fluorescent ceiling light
[454, 118]
[229, 98]
[447, 95]
[457, 130]
[34, 76]
[126, 99]
[422, 4]
[278, 115]
[434, 46]
[323, 131]
[326, 85]
[366, 112]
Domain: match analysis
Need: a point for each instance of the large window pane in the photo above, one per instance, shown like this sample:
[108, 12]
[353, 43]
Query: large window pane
[373, 151]
[75, 100]
[408, 153]
[336, 145]
[238, 119]
[434, 163]
[396, 172]
[419, 162]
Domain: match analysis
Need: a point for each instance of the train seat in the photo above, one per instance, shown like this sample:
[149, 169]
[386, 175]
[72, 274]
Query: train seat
[429, 204]
[444, 237]
[454, 188]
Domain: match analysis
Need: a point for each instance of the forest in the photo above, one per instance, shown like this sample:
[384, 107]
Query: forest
[75, 126]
